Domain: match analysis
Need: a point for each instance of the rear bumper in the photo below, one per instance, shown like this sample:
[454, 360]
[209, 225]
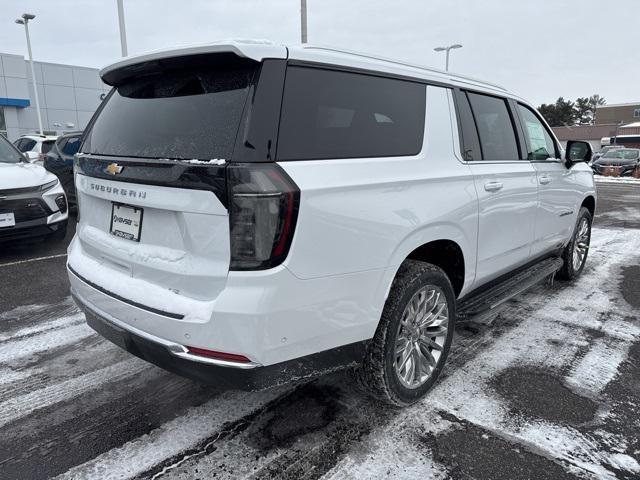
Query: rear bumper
[174, 357]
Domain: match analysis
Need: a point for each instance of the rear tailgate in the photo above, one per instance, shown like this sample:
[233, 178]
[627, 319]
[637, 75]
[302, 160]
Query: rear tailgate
[181, 242]
[151, 182]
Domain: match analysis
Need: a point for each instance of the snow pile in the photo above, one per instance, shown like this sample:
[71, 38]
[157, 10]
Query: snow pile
[137, 252]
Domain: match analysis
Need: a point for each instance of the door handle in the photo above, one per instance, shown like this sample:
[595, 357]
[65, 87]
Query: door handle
[545, 179]
[493, 186]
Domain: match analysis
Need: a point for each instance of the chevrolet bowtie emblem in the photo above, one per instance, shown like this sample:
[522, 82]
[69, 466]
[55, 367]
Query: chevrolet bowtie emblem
[113, 169]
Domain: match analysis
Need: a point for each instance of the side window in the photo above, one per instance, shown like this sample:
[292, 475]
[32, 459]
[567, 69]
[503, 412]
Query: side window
[333, 114]
[25, 144]
[470, 142]
[46, 146]
[540, 144]
[495, 129]
[61, 143]
[71, 146]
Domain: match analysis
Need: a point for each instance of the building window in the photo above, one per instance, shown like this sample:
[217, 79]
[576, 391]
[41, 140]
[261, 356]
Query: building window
[636, 113]
[3, 125]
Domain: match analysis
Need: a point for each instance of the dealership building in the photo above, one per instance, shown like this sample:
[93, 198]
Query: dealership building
[68, 96]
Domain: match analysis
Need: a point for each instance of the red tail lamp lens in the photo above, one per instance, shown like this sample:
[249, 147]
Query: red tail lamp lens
[230, 357]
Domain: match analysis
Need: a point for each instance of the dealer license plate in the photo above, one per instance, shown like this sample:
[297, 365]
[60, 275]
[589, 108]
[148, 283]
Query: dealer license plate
[126, 221]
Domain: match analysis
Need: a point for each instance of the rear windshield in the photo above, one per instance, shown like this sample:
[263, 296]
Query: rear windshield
[181, 114]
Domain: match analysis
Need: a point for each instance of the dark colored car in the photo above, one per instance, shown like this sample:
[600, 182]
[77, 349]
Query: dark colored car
[59, 160]
[623, 160]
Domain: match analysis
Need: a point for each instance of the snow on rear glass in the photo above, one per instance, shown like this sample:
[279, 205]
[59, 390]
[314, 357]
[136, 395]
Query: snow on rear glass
[187, 114]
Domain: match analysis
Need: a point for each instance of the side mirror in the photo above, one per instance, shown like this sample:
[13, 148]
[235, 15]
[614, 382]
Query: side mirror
[578, 151]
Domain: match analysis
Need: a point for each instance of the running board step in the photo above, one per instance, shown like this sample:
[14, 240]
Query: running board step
[495, 296]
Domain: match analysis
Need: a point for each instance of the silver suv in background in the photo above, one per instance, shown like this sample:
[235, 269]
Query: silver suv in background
[252, 213]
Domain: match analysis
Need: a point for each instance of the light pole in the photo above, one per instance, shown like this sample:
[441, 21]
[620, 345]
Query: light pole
[25, 21]
[303, 21]
[123, 33]
[447, 49]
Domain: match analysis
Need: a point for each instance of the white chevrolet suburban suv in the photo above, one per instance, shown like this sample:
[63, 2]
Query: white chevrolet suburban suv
[251, 213]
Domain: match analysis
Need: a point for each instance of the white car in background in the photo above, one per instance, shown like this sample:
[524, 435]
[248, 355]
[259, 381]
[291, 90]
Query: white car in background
[32, 201]
[35, 146]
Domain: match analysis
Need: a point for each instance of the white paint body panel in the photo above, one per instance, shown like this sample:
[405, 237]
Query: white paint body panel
[358, 221]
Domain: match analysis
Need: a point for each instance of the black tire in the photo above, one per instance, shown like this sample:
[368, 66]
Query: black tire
[378, 374]
[568, 270]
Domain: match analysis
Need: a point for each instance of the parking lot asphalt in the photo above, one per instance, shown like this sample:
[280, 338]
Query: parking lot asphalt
[550, 388]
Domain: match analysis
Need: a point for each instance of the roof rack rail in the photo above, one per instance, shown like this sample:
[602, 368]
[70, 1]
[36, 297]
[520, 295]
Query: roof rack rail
[405, 64]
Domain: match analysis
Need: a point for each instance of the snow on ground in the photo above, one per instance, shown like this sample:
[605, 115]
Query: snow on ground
[606, 179]
[622, 213]
[181, 434]
[552, 338]
[73, 405]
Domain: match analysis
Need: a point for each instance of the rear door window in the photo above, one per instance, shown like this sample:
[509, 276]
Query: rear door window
[495, 128]
[540, 144]
[333, 114]
[470, 142]
[190, 113]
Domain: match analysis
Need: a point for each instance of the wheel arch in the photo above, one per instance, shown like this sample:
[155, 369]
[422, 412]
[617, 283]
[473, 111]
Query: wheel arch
[444, 245]
[445, 254]
[590, 204]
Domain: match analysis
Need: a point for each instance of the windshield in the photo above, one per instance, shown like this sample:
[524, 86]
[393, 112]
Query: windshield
[8, 154]
[622, 154]
[181, 114]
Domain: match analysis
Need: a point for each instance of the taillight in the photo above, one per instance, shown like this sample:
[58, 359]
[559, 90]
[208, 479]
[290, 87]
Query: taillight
[263, 208]
[231, 357]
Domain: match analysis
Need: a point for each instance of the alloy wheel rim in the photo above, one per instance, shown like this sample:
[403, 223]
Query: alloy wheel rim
[581, 245]
[421, 336]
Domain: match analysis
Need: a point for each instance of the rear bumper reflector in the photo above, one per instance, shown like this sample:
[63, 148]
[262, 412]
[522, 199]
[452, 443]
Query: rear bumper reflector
[230, 357]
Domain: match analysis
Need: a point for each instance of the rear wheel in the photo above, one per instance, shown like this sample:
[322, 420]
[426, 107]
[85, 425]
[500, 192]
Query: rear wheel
[575, 253]
[413, 338]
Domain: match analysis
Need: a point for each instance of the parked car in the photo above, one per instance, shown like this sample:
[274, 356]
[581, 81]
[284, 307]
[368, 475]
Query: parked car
[32, 201]
[623, 161]
[35, 146]
[252, 213]
[59, 161]
[605, 150]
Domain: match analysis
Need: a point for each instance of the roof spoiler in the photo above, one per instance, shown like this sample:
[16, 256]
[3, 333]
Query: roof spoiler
[155, 62]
